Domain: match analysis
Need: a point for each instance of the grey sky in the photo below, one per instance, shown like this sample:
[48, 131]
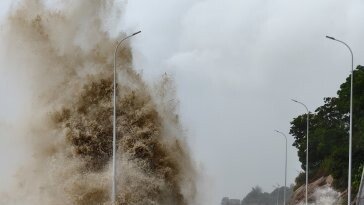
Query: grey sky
[236, 65]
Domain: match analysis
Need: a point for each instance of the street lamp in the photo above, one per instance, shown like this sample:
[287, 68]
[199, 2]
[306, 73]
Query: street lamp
[114, 122]
[277, 188]
[308, 118]
[351, 114]
[285, 171]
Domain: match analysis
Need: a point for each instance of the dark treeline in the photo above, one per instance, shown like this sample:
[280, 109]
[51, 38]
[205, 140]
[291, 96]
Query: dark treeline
[257, 197]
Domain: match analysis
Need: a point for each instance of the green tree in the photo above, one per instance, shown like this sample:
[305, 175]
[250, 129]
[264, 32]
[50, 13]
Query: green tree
[329, 131]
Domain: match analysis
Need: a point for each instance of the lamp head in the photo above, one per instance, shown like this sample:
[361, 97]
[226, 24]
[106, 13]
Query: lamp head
[329, 37]
[136, 33]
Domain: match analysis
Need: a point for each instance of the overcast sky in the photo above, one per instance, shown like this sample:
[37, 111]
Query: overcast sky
[236, 65]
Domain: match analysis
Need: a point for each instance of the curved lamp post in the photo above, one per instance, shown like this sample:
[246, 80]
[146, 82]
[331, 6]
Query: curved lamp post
[113, 196]
[285, 170]
[308, 118]
[351, 114]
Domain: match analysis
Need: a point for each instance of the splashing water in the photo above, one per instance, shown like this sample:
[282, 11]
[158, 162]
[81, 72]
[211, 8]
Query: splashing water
[325, 196]
[65, 51]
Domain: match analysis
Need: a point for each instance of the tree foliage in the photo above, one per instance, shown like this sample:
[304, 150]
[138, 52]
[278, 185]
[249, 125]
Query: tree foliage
[257, 197]
[329, 135]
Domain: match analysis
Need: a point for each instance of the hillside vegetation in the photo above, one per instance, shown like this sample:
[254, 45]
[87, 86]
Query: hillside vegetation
[329, 136]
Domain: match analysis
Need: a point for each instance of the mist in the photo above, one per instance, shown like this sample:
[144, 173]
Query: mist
[58, 55]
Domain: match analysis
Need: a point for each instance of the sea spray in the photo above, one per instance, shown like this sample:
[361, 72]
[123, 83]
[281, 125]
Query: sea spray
[65, 51]
[324, 196]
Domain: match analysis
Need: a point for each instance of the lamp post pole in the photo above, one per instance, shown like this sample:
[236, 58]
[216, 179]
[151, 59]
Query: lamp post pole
[308, 119]
[113, 195]
[285, 170]
[351, 115]
[360, 194]
[277, 188]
